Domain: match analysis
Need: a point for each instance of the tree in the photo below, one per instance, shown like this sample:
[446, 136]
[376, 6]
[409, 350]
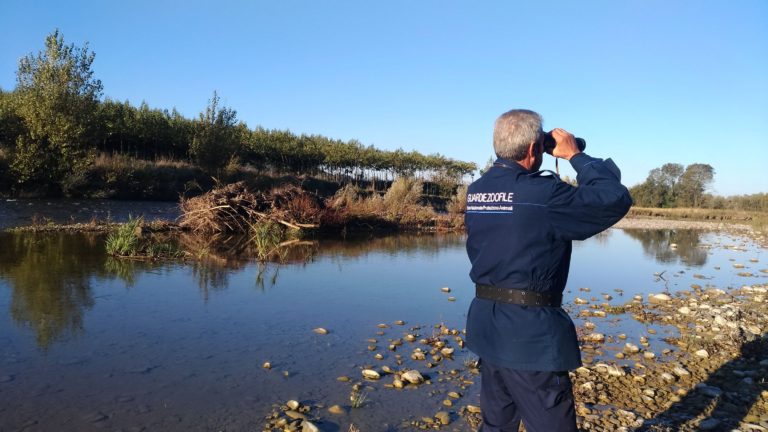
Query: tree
[669, 177]
[215, 140]
[57, 101]
[694, 182]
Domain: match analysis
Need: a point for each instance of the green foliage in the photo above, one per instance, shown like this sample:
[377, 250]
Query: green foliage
[57, 99]
[673, 186]
[215, 141]
[124, 241]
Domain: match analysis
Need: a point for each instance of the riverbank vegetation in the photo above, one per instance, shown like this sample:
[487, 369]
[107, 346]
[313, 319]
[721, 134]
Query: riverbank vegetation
[675, 186]
[60, 137]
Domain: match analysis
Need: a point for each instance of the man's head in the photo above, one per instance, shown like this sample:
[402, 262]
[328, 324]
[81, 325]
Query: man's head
[515, 137]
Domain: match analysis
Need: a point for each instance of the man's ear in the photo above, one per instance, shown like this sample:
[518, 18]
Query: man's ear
[532, 149]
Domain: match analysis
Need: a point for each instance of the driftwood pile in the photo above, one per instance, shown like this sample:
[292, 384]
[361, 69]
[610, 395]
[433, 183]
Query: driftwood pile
[233, 209]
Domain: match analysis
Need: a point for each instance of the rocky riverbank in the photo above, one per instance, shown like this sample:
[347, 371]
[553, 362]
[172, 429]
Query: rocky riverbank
[698, 362]
[707, 371]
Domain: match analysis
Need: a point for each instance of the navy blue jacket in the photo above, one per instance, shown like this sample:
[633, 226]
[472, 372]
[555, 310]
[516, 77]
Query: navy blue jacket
[520, 225]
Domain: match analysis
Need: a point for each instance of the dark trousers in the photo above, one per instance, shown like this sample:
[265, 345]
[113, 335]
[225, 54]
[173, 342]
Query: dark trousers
[542, 400]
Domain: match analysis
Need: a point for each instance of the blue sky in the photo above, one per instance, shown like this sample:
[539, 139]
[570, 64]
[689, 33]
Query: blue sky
[645, 82]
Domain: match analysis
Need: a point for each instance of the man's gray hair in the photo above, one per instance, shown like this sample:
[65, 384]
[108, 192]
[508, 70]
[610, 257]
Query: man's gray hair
[513, 133]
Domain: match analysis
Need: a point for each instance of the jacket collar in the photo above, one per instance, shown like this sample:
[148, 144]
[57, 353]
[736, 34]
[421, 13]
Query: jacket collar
[510, 164]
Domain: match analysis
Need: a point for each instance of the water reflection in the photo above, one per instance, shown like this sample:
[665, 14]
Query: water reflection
[51, 280]
[672, 246]
[51, 274]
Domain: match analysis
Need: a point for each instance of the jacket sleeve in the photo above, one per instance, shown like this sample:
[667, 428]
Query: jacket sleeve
[600, 200]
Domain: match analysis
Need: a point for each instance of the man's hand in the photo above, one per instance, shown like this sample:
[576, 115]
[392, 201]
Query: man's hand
[566, 147]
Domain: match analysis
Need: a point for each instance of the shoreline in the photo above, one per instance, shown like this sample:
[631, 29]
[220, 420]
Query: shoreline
[633, 222]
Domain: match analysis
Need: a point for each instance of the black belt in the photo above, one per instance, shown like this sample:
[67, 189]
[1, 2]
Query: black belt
[517, 296]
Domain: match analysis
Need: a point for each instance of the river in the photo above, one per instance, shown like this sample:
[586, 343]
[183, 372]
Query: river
[88, 341]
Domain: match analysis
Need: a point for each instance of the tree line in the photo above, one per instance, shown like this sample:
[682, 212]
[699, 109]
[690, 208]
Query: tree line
[56, 120]
[673, 185]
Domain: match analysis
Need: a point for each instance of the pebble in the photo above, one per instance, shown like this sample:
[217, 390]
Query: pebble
[95, 417]
[702, 353]
[293, 404]
[658, 298]
[596, 337]
[445, 289]
[473, 409]
[412, 376]
[321, 331]
[336, 409]
[295, 415]
[443, 417]
[308, 426]
[708, 390]
[452, 299]
[267, 365]
[631, 348]
[371, 374]
[667, 377]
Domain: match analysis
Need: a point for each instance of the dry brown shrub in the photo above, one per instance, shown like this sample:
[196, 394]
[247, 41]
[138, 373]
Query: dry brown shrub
[405, 191]
[295, 204]
[234, 209]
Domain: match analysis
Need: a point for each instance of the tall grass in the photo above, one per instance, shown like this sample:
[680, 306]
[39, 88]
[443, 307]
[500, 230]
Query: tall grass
[124, 241]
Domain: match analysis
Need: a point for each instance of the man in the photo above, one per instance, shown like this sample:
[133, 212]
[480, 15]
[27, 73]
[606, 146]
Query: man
[520, 223]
